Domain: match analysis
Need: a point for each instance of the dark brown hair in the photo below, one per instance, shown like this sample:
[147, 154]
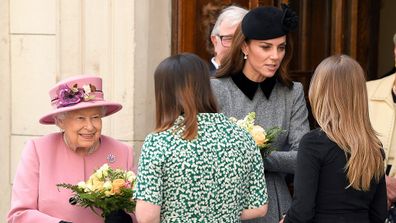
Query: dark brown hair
[233, 62]
[182, 87]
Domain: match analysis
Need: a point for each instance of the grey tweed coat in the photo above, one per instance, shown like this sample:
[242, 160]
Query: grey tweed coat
[285, 108]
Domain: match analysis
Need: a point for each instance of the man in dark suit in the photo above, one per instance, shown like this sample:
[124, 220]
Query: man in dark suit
[223, 32]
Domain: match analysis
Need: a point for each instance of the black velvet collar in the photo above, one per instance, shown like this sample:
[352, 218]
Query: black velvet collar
[249, 87]
[394, 97]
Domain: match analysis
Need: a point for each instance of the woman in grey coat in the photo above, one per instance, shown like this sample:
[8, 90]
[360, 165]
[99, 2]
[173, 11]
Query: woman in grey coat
[253, 77]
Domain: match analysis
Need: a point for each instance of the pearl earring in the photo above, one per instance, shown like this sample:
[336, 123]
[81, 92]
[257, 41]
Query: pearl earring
[245, 57]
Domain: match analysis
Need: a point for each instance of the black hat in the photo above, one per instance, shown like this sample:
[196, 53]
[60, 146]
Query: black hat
[268, 22]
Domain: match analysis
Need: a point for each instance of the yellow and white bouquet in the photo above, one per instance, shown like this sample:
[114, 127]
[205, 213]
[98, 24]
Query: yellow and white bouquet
[106, 189]
[263, 138]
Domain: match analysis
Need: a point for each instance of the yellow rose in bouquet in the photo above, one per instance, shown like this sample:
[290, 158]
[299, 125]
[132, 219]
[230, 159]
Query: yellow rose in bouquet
[259, 135]
[263, 138]
[106, 189]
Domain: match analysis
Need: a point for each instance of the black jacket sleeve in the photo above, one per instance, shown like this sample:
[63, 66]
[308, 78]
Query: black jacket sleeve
[305, 183]
[378, 206]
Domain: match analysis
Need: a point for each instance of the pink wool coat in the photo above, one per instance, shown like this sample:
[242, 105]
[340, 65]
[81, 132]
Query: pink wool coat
[47, 161]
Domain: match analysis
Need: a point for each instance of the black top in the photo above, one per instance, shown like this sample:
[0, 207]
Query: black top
[249, 87]
[320, 193]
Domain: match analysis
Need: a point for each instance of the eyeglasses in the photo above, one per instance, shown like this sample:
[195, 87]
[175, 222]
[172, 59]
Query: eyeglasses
[225, 40]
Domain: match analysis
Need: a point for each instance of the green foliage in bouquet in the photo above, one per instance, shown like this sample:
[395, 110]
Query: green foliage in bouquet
[106, 189]
[264, 139]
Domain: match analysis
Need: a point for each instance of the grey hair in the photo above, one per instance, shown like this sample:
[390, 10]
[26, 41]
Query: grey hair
[232, 14]
[62, 115]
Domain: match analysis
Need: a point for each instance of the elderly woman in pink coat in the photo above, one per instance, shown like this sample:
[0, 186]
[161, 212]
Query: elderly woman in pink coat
[68, 156]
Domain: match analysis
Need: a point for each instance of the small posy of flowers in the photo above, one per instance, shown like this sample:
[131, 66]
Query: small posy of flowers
[263, 138]
[106, 189]
[73, 95]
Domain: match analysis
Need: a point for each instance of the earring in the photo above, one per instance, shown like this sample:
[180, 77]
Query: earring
[245, 57]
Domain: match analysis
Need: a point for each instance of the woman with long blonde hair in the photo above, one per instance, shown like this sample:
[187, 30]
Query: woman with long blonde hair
[340, 168]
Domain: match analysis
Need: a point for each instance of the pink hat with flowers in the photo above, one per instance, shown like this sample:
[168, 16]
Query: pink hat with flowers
[78, 92]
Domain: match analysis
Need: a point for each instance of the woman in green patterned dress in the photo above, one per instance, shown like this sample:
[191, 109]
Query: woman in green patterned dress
[197, 166]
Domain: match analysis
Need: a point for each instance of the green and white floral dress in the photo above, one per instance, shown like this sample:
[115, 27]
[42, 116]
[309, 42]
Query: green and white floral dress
[209, 179]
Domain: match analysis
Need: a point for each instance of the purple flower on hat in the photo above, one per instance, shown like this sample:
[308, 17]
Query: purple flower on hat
[69, 96]
[74, 95]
